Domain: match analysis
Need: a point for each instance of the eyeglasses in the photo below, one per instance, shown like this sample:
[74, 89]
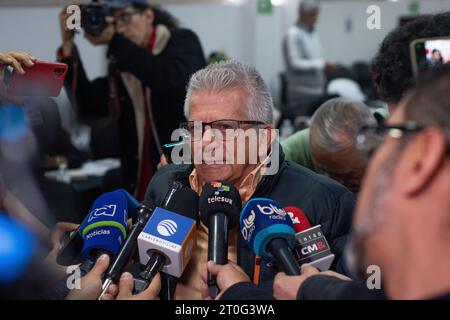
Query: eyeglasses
[370, 137]
[124, 17]
[196, 129]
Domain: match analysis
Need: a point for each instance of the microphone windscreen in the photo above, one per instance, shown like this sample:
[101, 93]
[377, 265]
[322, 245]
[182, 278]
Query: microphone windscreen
[263, 220]
[105, 227]
[299, 220]
[132, 203]
[220, 197]
[185, 203]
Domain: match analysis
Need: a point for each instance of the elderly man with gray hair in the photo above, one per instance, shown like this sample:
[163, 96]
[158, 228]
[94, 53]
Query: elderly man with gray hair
[329, 145]
[231, 95]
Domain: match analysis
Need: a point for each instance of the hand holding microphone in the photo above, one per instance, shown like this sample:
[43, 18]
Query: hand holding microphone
[220, 204]
[311, 246]
[226, 276]
[286, 287]
[91, 283]
[168, 240]
[124, 290]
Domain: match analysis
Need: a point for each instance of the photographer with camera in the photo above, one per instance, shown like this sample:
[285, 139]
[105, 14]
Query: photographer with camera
[150, 62]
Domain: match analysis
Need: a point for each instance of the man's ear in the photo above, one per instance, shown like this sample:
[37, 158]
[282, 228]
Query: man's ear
[421, 160]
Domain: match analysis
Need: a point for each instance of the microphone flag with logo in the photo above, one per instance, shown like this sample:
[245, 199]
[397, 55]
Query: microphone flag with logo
[170, 234]
[105, 227]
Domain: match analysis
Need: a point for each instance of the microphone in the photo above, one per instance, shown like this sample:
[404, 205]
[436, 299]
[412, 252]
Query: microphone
[312, 247]
[168, 240]
[220, 204]
[268, 230]
[105, 227]
[143, 213]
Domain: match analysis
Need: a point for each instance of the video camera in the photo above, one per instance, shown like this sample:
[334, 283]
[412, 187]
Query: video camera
[93, 17]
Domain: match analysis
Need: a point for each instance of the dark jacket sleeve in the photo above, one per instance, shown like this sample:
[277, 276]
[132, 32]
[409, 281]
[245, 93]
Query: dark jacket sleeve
[342, 221]
[322, 287]
[90, 98]
[246, 291]
[167, 71]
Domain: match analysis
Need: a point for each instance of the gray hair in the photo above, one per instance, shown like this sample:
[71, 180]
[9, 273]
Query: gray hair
[230, 74]
[336, 123]
[308, 6]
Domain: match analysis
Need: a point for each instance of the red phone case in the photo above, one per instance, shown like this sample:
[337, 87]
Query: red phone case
[43, 79]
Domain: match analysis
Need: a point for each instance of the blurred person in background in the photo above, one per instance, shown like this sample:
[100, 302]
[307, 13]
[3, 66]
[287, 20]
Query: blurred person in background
[305, 64]
[150, 61]
[329, 145]
[408, 176]
[391, 68]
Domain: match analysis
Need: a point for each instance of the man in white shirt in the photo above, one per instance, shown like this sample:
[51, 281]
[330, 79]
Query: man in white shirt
[304, 60]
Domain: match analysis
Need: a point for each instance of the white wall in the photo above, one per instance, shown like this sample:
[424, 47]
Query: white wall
[238, 29]
[257, 39]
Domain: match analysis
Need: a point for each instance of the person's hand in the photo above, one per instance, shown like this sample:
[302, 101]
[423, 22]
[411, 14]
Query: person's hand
[56, 236]
[125, 289]
[286, 287]
[105, 37]
[226, 276]
[91, 283]
[16, 59]
[67, 35]
[162, 162]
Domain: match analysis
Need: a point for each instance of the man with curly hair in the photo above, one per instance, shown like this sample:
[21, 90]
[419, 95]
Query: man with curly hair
[391, 68]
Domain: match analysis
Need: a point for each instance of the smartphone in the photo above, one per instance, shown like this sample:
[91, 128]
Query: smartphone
[43, 79]
[427, 53]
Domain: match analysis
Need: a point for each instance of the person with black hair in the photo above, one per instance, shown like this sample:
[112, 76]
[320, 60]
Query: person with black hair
[391, 68]
[150, 62]
[436, 58]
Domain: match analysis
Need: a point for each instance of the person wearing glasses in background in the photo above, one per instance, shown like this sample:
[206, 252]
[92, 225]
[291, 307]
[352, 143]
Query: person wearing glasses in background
[402, 217]
[150, 62]
[230, 96]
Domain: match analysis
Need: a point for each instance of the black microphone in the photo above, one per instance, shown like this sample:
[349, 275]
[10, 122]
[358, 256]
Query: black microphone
[143, 213]
[220, 206]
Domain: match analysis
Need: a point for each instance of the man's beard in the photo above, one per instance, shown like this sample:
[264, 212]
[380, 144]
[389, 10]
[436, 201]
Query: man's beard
[357, 249]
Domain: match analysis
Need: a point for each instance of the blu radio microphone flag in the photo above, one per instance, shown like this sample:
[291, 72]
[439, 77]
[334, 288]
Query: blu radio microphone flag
[263, 220]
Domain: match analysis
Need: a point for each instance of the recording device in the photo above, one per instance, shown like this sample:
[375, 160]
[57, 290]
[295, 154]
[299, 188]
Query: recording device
[143, 214]
[168, 240]
[103, 230]
[268, 230]
[312, 247]
[93, 17]
[220, 204]
[427, 53]
[43, 79]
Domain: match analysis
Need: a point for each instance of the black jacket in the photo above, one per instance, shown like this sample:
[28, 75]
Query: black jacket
[323, 200]
[323, 287]
[167, 74]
